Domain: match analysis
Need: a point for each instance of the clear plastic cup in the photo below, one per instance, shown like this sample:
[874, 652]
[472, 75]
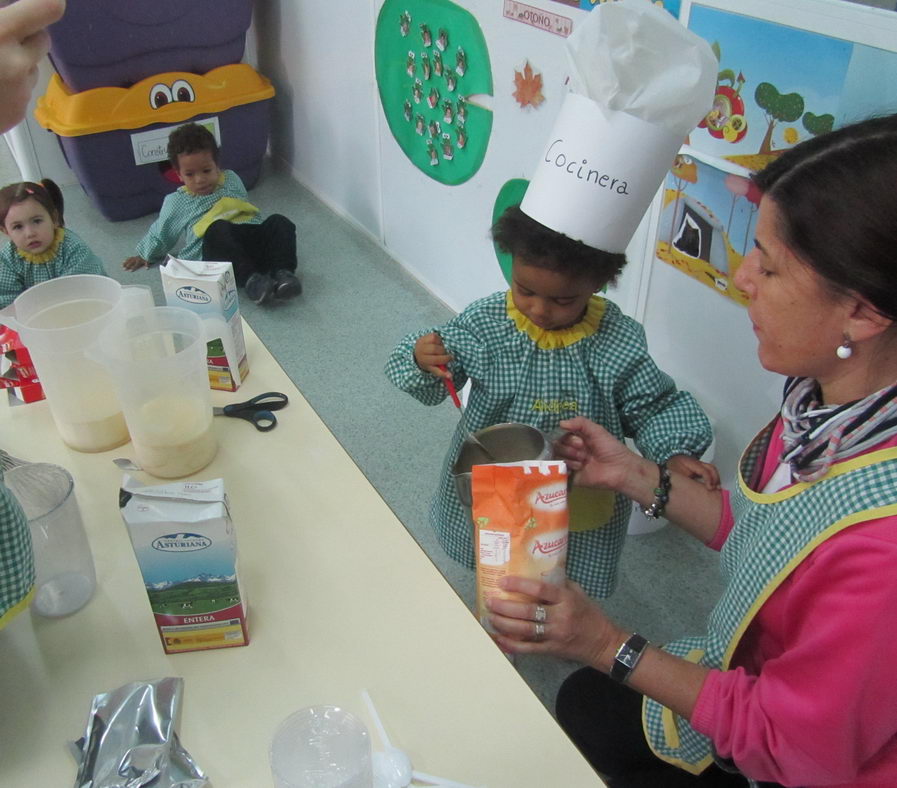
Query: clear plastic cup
[321, 747]
[65, 578]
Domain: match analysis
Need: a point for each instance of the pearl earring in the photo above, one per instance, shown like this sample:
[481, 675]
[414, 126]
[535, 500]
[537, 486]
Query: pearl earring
[845, 349]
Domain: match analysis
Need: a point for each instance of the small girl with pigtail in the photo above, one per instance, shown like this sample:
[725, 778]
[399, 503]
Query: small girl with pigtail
[40, 247]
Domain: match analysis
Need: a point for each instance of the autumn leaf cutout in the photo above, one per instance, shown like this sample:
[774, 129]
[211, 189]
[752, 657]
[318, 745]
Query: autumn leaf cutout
[529, 87]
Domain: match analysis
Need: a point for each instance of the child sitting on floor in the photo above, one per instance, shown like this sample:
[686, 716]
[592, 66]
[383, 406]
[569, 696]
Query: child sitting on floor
[211, 210]
[543, 351]
[40, 246]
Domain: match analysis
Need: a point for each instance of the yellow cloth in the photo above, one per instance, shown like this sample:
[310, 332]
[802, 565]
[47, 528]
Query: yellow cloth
[564, 337]
[49, 253]
[228, 209]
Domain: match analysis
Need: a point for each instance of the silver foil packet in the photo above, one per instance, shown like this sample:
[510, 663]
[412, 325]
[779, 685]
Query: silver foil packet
[130, 741]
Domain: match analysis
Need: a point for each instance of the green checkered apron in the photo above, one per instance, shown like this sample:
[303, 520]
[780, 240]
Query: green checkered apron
[16, 560]
[773, 534]
[599, 368]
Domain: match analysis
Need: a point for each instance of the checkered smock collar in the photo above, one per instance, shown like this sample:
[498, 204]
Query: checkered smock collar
[564, 337]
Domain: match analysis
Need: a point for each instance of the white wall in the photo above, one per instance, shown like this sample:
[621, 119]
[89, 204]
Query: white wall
[320, 58]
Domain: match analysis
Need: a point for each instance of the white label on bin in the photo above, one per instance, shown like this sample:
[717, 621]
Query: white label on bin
[151, 147]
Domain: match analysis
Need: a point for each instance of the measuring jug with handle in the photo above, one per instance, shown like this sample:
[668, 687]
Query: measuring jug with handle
[57, 321]
[157, 359]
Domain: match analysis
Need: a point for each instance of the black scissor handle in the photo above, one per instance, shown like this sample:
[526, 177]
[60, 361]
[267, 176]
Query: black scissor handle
[259, 409]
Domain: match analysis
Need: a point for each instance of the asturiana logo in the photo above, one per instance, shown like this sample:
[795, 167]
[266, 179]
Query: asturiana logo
[193, 295]
[181, 543]
[550, 497]
[549, 545]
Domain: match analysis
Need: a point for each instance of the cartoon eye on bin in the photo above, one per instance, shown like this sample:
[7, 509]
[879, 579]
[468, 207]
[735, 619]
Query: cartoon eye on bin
[160, 95]
[182, 90]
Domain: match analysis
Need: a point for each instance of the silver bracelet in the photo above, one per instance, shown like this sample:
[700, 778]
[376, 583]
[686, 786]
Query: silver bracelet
[661, 494]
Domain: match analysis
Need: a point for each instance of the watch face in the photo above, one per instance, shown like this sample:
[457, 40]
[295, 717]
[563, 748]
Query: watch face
[627, 657]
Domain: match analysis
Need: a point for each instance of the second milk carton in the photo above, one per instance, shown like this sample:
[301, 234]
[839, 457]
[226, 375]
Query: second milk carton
[186, 547]
[209, 289]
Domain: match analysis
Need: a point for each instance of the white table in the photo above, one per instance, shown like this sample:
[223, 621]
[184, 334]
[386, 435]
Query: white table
[341, 598]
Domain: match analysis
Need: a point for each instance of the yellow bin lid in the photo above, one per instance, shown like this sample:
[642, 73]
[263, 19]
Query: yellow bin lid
[172, 97]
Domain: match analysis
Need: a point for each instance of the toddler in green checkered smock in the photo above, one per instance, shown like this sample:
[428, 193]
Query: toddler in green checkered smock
[40, 248]
[543, 351]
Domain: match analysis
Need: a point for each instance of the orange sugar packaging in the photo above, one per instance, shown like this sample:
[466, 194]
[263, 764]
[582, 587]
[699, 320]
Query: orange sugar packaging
[520, 525]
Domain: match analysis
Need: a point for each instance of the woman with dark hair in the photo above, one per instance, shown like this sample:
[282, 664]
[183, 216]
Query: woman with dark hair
[793, 681]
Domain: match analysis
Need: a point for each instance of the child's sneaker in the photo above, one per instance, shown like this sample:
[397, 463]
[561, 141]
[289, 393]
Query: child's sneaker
[286, 284]
[259, 287]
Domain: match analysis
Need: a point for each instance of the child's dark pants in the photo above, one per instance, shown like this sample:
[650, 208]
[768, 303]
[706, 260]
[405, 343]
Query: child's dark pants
[265, 248]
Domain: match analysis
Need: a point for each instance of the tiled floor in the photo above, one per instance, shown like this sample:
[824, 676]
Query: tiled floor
[333, 341]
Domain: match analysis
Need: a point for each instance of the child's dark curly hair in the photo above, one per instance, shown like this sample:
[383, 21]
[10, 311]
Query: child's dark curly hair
[190, 138]
[45, 193]
[535, 244]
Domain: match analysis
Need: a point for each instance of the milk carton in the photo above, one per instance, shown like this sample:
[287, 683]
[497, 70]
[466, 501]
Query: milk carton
[209, 289]
[185, 545]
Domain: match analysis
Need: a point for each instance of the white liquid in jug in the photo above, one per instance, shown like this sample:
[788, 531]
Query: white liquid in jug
[69, 313]
[95, 435]
[173, 436]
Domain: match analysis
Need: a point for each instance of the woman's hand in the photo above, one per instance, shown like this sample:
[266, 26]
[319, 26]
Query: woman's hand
[572, 625]
[23, 44]
[430, 354]
[597, 458]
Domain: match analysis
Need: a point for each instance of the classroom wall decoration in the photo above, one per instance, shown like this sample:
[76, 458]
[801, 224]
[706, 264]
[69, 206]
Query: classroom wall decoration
[777, 85]
[528, 86]
[511, 193]
[432, 64]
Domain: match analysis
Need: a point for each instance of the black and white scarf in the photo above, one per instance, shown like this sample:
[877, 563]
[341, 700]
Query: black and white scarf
[815, 435]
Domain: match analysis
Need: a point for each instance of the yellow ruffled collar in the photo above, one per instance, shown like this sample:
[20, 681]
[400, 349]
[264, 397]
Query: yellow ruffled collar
[221, 179]
[563, 337]
[49, 253]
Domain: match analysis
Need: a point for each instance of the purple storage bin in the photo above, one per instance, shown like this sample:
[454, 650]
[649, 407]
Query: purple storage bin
[116, 139]
[104, 163]
[116, 43]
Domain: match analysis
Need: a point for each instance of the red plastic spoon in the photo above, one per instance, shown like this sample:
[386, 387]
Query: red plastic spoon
[453, 393]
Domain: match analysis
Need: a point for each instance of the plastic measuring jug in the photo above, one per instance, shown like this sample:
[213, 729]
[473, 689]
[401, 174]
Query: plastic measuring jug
[65, 577]
[57, 321]
[157, 359]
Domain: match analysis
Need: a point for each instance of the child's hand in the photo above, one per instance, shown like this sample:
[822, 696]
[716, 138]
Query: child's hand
[135, 264]
[695, 469]
[429, 353]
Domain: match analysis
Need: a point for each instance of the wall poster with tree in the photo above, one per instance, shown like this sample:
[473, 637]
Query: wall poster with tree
[788, 70]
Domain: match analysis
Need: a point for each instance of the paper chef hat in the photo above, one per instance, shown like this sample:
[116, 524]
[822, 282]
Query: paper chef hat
[640, 83]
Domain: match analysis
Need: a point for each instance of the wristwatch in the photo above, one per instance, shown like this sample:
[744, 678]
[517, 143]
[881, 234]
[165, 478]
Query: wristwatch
[627, 657]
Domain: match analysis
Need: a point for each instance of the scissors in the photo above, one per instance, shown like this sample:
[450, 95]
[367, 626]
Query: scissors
[258, 410]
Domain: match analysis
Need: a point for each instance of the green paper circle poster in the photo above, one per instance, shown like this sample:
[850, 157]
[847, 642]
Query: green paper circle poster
[431, 62]
[510, 194]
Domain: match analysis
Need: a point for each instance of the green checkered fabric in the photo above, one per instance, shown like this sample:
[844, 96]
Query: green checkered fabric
[16, 560]
[608, 377]
[180, 211]
[18, 274]
[769, 540]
